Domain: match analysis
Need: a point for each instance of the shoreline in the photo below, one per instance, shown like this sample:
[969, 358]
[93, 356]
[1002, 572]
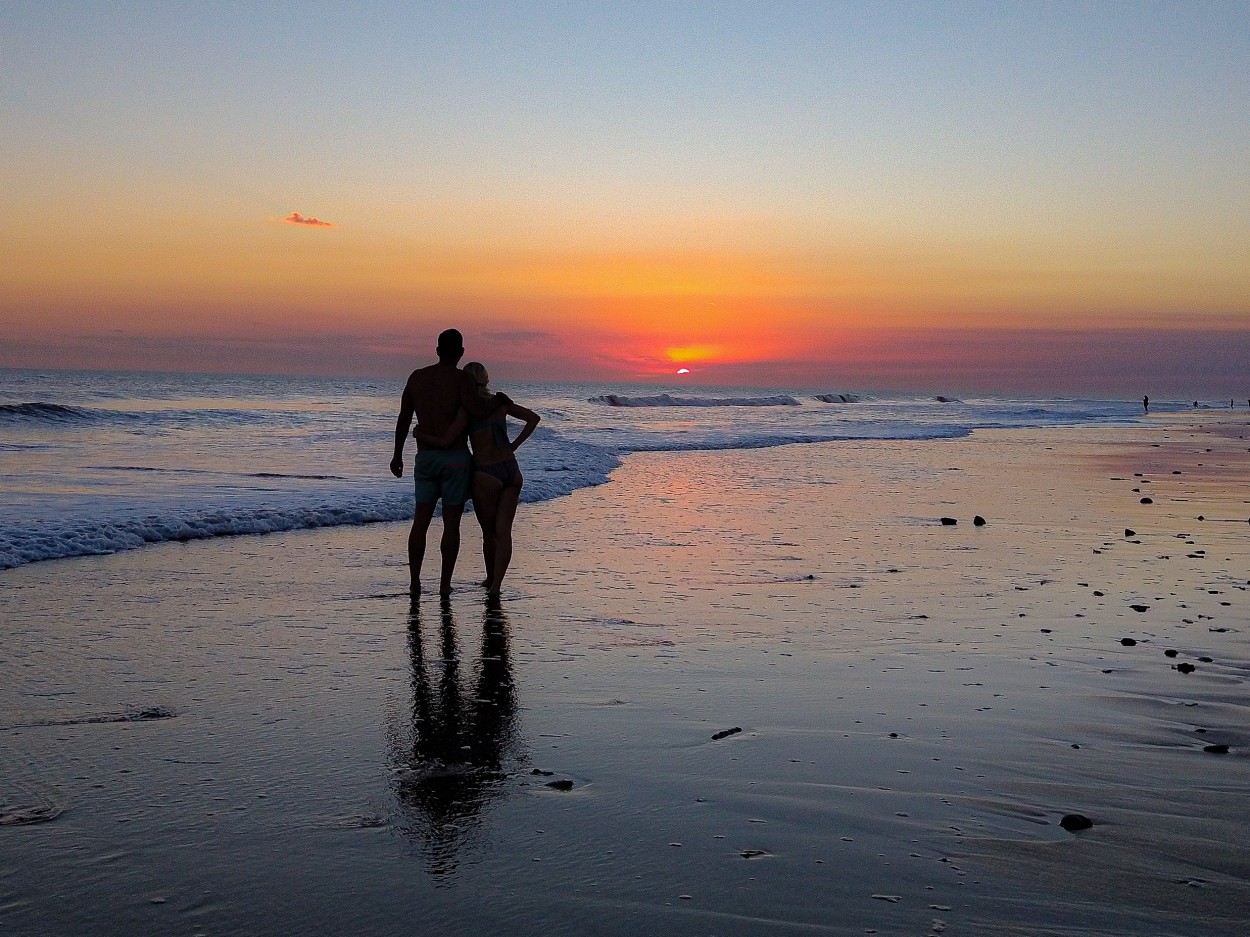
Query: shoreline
[919, 706]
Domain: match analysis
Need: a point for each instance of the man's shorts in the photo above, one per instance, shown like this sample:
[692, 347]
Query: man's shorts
[443, 473]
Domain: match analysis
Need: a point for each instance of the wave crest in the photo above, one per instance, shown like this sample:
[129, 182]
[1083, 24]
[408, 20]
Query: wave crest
[40, 412]
[667, 400]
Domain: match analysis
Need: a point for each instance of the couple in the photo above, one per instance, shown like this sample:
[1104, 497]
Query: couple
[453, 407]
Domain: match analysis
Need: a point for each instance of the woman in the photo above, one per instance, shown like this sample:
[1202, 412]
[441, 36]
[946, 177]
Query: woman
[497, 478]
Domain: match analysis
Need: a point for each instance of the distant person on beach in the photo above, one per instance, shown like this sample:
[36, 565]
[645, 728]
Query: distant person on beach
[1145, 404]
[437, 395]
[497, 477]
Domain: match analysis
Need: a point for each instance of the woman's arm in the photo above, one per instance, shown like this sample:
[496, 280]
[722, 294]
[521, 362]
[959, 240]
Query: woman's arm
[447, 439]
[518, 412]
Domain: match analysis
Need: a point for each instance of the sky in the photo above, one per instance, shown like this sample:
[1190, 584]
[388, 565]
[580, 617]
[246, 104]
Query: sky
[1047, 197]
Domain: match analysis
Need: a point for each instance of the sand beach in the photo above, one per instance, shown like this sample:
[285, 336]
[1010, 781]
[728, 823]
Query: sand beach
[756, 691]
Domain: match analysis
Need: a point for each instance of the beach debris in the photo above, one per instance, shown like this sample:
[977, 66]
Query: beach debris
[562, 784]
[1206, 660]
[1128, 642]
[949, 521]
[725, 733]
[1147, 500]
[1129, 532]
[754, 853]
[1170, 652]
[1216, 749]
[978, 521]
[1075, 821]
[1201, 518]
[1186, 668]
[893, 899]
[1139, 608]
[540, 771]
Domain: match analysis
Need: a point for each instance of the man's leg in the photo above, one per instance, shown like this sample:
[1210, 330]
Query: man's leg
[416, 543]
[450, 544]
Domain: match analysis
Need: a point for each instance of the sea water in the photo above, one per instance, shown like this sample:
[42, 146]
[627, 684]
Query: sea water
[97, 462]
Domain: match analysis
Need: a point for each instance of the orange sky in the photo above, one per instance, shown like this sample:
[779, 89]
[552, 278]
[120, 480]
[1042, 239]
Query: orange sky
[797, 192]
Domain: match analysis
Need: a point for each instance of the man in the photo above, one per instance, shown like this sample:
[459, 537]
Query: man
[436, 394]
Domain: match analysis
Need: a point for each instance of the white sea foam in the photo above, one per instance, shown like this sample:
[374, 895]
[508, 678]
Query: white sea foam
[258, 503]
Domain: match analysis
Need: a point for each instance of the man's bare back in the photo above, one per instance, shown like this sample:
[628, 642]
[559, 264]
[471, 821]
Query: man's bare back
[435, 395]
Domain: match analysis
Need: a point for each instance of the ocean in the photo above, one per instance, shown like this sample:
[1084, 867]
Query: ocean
[99, 462]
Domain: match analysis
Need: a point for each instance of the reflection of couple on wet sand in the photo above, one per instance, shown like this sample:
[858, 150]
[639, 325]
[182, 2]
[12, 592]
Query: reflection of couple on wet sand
[454, 408]
[450, 756]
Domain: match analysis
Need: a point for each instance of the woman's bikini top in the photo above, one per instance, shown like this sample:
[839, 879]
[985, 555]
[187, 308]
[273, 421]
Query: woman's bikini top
[496, 422]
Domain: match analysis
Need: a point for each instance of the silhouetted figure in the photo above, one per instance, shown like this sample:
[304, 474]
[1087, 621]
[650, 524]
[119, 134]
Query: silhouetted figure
[450, 758]
[497, 477]
[436, 394]
[1145, 404]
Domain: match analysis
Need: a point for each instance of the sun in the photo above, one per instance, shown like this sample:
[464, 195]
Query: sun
[683, 370]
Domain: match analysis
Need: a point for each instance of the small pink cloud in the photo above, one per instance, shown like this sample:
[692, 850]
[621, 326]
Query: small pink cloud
[296, 218]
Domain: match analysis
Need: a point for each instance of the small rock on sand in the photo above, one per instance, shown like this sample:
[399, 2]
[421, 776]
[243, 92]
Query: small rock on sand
[1074, 821]
[1129, 532]
[563, 784]
[949, 521]
[1216, 749]
[1128, 642]
[1139, 608]
[1186, 668]
[1170, 652]
[725, 733]
[979, 521]
[1147, 500]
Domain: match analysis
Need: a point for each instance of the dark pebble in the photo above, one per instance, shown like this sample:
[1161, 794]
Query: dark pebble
[563, 784]
[1207, 660]
[949, 521]
[1074, 821]
[1139, 608]
[1128, 642]
[1186, 668]
[1129, 532]
[540, 771]
[1147, 500]
[1216, 749]
[1096, 592]
[1169, 653]
[1201, 518]
[979, 521]
[725, 733]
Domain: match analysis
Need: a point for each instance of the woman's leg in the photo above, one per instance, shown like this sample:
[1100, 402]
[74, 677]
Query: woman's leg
[505, 513]
[486, 489]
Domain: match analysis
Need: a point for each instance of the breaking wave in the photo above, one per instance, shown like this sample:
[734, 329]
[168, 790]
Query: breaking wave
[665, 400]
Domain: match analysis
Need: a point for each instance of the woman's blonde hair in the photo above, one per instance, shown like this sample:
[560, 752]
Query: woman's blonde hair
[477, 371]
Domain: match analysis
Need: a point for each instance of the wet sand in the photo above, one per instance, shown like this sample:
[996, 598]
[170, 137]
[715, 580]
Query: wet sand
[258, 735]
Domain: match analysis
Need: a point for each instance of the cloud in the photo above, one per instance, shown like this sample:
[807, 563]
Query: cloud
[296, 218]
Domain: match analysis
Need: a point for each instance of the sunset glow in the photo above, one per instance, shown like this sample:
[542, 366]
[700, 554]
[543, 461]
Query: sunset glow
[820, 194]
